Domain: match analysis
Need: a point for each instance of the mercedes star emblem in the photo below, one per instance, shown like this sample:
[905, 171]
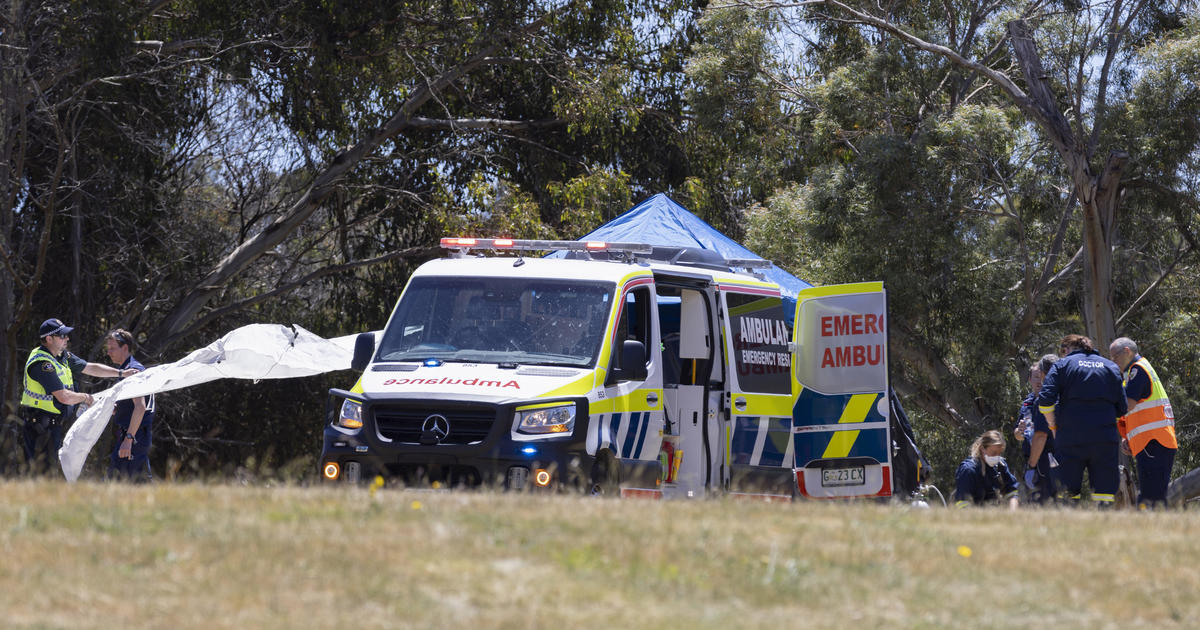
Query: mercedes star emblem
[436, 425]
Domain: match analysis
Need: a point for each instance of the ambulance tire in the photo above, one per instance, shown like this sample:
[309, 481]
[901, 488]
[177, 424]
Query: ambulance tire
[1184, 492]
[605, 480]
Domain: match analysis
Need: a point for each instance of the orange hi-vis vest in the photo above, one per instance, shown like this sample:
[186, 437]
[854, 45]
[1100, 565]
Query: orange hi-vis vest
[1151, 418]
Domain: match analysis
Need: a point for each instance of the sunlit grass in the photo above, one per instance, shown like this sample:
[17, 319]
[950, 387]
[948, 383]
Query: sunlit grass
[212, 556]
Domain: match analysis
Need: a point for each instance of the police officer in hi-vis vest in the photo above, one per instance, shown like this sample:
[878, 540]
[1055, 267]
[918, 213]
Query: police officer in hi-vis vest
[1148, 430]
[48, 398]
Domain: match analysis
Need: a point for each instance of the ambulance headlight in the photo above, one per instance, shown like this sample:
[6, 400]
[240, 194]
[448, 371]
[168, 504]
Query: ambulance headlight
[558, 420]
[351, 415]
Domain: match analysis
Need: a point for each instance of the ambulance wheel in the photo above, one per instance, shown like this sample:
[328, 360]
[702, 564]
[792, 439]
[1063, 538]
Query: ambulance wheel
[605, 481]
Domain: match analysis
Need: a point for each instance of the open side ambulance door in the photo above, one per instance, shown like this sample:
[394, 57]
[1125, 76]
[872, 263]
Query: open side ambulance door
[758, 392]
[840, 421]
[627, 420]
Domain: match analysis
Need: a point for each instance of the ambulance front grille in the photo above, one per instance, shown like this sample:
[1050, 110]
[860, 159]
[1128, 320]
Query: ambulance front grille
[467, 425]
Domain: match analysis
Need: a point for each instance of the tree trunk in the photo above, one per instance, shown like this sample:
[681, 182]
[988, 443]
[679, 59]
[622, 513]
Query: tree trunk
[1099, 212]
[942, 394]
[8, 122]
[76, 213]
[1098, 196]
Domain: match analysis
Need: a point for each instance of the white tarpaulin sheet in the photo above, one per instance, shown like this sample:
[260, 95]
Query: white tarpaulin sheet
[257, 351]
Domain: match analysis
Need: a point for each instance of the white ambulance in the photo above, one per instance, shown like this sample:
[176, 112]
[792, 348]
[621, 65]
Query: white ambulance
[620, 369]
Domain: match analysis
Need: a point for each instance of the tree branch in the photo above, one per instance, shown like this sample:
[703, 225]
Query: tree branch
[1115, 36]
[944, 397]
[1154, 285]
[411, 253]
[322, 186]
[488, 124]
[1034, 292]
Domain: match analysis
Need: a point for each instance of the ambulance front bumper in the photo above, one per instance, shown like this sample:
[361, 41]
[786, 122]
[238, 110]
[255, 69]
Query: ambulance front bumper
[451, 443]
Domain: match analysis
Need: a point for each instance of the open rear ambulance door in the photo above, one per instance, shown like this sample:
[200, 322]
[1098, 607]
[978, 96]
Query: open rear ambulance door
[841, 433]
[758, 399]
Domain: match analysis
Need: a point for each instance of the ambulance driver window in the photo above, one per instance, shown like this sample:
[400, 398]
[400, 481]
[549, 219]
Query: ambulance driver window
[634, 323]
[760, 343]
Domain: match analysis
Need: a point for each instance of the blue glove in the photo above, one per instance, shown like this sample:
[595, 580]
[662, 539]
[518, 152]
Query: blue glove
[1031, 478]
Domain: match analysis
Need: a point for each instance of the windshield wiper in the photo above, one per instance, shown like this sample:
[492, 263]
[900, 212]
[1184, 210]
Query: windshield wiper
[557, 364]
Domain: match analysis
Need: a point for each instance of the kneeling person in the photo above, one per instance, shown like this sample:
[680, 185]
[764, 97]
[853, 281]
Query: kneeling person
[983, 477]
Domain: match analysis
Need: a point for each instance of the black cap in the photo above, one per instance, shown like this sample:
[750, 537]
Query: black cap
[54, 326]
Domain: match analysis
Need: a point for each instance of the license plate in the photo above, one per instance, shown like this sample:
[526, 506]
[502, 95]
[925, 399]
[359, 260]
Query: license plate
[852, 476]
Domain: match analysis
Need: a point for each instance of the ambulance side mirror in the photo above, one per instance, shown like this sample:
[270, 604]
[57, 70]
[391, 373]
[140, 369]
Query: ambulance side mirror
[633, 362]
[364, 347]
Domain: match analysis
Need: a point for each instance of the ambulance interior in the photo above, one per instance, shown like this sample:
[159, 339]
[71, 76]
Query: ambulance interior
[692, 437]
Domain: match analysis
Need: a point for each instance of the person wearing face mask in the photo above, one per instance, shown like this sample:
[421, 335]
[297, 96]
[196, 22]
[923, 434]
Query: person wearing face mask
[1037, 443]
[983, 477]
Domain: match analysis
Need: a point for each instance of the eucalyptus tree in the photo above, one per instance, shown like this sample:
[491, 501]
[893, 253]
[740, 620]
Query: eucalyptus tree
[86, 107]
[223, 162]
[982, 173]
[401, 109]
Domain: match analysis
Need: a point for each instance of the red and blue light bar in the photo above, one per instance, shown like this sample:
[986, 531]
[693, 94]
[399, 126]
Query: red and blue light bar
[465, 244]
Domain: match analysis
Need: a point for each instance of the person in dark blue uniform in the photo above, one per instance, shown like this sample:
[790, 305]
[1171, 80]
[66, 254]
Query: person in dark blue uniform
[1037, 443]
[983, 477]
[1082, 397]
[132, 419]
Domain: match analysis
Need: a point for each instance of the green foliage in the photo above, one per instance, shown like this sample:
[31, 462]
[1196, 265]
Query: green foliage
[841, 152]
[739, 142]
[590, 200]
[903, 208]
[921, 176]
[213, 118]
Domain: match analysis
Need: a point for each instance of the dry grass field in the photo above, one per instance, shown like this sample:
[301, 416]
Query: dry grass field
[214, 556]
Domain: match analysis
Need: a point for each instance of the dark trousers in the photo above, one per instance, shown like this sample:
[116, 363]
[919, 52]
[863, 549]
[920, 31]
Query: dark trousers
[42, 436]
[137, 467]
[1100, 460]
[1154, 465]
[1048, 484]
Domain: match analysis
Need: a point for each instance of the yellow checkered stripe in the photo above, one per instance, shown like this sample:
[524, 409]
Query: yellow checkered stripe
[856, 411]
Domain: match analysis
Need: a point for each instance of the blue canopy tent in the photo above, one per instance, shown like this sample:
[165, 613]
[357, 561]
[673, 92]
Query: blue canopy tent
[659, 220]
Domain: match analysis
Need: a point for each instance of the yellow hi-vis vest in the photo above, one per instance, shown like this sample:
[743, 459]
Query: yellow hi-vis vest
[36, 396]
[1151, 418]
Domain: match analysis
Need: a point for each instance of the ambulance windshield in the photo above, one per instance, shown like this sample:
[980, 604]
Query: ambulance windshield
[499, 320]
